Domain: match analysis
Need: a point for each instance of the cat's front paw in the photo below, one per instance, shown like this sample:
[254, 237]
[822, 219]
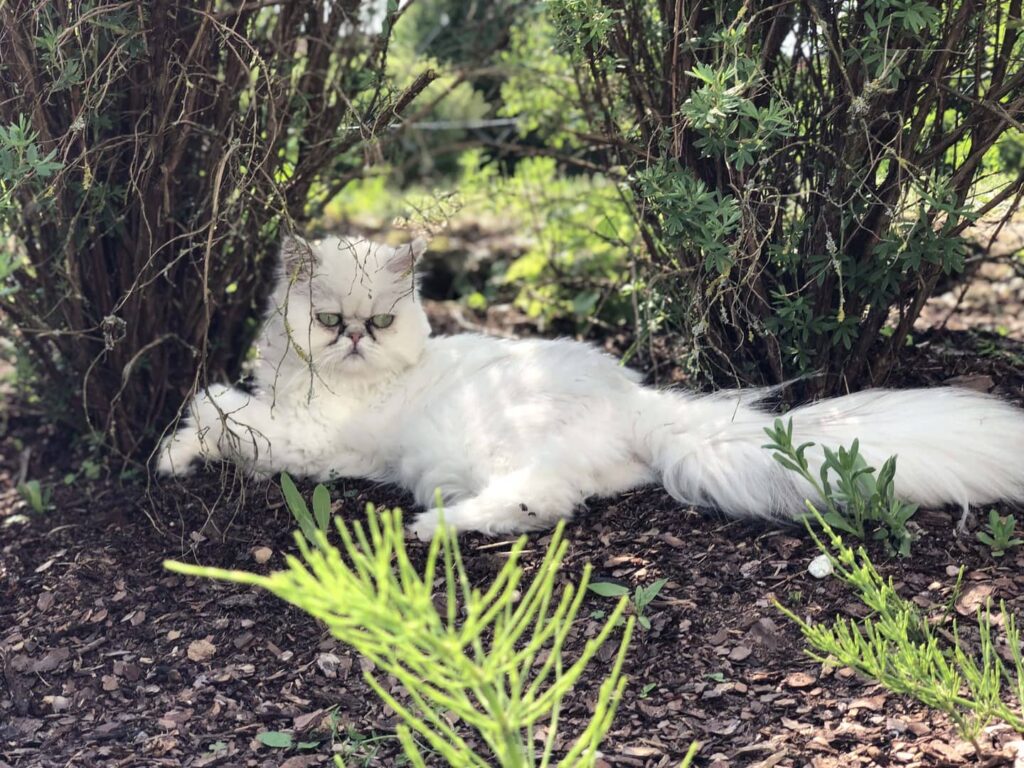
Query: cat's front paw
[426, 524]
[178, 453]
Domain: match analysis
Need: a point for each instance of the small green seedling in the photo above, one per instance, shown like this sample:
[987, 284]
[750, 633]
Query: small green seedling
[357, 749]
[640, 599]
[309, 524]
[283, 740]
[973, 682]
[88, 469]
[999, 534]
[35, 495]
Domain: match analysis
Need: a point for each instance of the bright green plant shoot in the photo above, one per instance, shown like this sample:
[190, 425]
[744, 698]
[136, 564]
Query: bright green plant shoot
[491, 661]
[999, 534]
[35, 495]
[898, 647]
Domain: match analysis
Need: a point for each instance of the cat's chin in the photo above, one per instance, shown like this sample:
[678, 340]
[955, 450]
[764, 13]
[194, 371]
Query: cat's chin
[359, 367]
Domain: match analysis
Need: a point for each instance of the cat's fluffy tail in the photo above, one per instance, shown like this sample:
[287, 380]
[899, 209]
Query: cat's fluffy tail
[953, 446]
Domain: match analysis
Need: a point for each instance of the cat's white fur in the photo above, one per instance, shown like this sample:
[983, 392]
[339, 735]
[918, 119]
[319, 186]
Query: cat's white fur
[517, 434]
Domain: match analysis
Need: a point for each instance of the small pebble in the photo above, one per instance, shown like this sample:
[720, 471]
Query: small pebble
[820, 567]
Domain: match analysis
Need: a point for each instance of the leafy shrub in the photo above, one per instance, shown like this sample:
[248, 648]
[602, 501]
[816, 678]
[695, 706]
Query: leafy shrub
[539, 88]
[448, 104]
[856, 499]
[493, 658]
[152, 156]
[802, 173]
[904, 651]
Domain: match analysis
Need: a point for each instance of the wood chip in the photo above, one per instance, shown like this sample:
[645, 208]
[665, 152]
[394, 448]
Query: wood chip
[303, 722]
[873, 703]
[973, 598]
[201, 650]
[800, 680]
[328, 663]
[979, 382]
[52, 660]
[44, 602]
[739, 653]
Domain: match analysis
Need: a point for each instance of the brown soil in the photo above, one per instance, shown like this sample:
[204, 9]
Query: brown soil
[108, 660]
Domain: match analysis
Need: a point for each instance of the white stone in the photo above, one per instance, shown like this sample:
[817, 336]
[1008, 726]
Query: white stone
[820, 567]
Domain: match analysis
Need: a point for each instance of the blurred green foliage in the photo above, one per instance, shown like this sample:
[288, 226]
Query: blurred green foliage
[578, 236]
[580, 232]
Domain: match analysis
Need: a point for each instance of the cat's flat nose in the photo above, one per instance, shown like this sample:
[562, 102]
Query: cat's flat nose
[355, 336]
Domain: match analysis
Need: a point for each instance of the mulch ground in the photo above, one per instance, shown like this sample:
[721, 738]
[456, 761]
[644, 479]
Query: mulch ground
[106, 659]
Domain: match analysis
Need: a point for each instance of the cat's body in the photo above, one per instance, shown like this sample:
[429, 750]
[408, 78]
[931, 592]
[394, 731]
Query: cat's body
[516, 434]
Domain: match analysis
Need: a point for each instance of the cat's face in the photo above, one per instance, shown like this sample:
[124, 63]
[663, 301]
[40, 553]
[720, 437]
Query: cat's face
[351, 306]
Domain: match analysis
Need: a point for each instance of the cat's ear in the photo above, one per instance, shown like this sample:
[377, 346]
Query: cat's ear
[297, 256]
[403, 260]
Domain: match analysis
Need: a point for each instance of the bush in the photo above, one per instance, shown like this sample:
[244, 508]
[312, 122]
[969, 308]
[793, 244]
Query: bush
[494, 658]
[153, 154]
[803, 172]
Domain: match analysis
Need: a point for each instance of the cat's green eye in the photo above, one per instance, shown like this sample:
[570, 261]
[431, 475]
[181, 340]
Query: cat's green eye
[328, 319]
[382, 321]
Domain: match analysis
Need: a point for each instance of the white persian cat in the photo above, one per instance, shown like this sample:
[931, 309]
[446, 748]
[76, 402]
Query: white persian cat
[517, 434]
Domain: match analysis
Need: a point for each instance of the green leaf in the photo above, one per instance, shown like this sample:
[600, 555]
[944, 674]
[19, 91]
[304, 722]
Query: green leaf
[275, 739]
[584, 302]
[298, 507]
[607, 589]
[322, 507]
[644, 595]
[836, 520]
